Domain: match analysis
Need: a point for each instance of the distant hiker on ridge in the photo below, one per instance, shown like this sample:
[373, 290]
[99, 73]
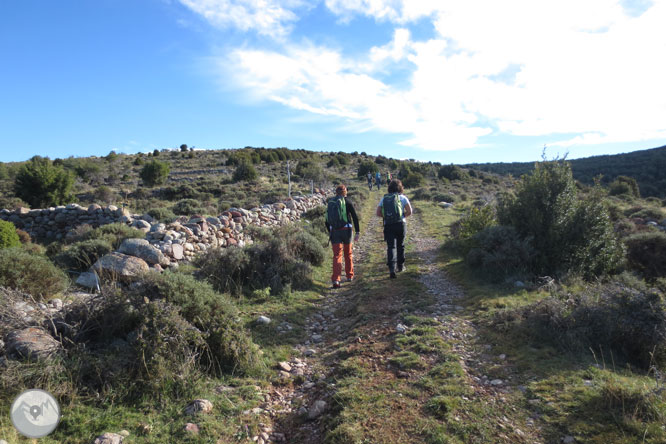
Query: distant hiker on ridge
[394, 208]
[378, 179]
[370, 180]
[340, 214]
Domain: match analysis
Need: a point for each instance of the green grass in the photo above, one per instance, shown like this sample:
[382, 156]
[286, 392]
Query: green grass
[566, 392]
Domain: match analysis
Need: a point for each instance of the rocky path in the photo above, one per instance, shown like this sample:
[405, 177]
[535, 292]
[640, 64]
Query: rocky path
[300, 406]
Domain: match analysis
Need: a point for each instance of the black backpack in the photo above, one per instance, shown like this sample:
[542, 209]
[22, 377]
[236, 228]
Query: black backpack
[392, 209]
[336, 213]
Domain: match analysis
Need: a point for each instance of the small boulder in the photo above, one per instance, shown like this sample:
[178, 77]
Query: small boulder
[109, 438]
[317, 409]
[31, 342]
[263, 320]
[192, 428]
[199, 406]
[87, 279]
[122, 266]
[141, 248]
[141, 225]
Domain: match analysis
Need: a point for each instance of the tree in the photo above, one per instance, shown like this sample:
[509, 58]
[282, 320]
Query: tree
[183, 147]
[156, 152]
[154, 173]
[42, 184]
[367, 166]
[245, 171]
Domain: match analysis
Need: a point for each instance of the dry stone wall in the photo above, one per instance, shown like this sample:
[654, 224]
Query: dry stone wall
[165, 245]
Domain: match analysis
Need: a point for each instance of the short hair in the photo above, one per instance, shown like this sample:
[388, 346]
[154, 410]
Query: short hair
[341, 190]
[395, 186]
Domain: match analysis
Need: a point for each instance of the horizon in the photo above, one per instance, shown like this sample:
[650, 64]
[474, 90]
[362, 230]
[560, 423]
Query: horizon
[421, 80]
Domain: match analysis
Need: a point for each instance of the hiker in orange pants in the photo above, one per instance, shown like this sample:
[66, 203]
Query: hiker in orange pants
[340, 215]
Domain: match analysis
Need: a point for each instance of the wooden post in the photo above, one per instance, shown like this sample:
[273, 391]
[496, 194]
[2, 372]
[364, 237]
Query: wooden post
[288, 180]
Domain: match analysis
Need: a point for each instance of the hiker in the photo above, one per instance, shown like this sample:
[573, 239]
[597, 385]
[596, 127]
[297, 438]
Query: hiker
[394, 208]
[388, 177]
[370, 180]
[339, 217]
[378, 179]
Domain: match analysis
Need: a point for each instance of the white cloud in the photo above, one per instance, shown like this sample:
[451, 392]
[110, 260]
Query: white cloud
[271, 18]
[585, 68]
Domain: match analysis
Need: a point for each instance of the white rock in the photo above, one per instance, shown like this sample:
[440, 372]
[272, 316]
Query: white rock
[496, 382]
[400, 328]
[317, 409]
[263, 320]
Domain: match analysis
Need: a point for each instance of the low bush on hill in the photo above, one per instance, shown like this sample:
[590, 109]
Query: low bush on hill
[626, 318]
[8, 236]
[646, 254]
[31, 273]
[279, 259]
[163, 215]
[80, 256]
[114, 234]
[498, 252]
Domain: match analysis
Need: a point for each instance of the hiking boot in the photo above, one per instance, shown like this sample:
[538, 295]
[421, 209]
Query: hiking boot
[400, 268]
[336, 284]
[392, 275]
[351, 279]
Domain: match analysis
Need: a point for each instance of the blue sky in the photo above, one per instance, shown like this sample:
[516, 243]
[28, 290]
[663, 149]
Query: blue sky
[459, 81]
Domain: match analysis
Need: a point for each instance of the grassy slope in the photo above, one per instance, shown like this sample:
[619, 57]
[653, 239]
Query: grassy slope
[585, 396]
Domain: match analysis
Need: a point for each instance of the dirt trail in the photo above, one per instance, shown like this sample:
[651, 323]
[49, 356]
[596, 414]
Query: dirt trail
[330, 327]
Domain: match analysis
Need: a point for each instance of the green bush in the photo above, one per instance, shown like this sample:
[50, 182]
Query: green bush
[476, 220]
[624, 185]
[231, 347]
[616, 317]
[365, 167]
[30, 273]
[446, 197]
[187, 207]
[162, 214]
[413, 180]
[82, 255]
[646, 253]
[309, 169]
[280, 259]
[568, 234]
[498, 252]
[451, 172]
[8, 236]
[42, 184]
[653, 214]
[245, 171]
[114, 233]
[154, 173]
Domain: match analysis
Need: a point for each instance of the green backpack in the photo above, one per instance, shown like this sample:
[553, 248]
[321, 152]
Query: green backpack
[392, 209]
[336, 213]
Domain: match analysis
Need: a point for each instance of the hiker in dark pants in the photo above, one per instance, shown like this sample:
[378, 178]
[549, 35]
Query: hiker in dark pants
[394, 208]
[340, 215]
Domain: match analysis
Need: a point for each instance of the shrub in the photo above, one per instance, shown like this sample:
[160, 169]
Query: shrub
[365, 167]
[230, 346]
[162, 214]
[82, 255]
[446, 197]
[279, 259]
[104, 194]
[451, 172]
[499, 252]
[42, 184]
[476, 220]
[8, 236]
[245, 171]
[187, 207]
[413, 180]
[310, 170]
[566, 232]
[154, 173]
[646, 253]
[24, 236]
[30, 273]
[653, 214]
[614, 316]
[624, 185]
[114, 233]
[421, 194]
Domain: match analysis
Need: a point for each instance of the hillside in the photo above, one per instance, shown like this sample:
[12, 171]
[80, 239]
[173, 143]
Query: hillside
[513, 322]
[648, 167]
